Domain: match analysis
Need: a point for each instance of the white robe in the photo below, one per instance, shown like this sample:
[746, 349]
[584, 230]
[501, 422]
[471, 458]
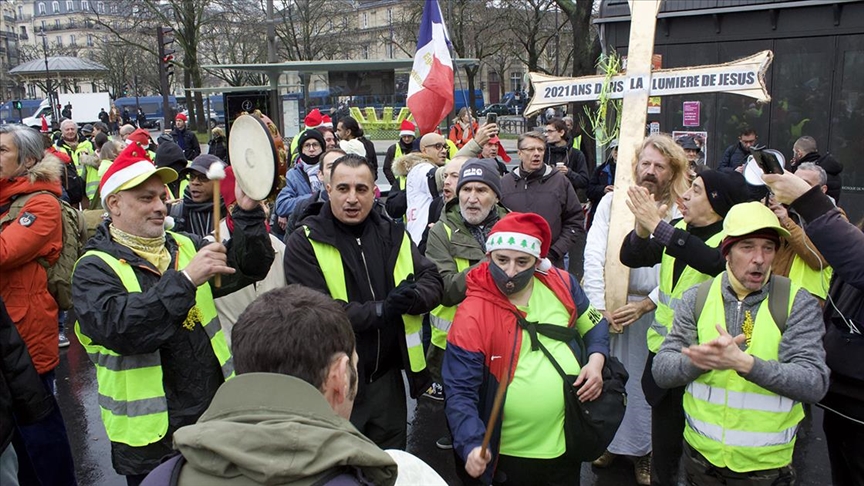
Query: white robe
[631, 346]
[419, 199]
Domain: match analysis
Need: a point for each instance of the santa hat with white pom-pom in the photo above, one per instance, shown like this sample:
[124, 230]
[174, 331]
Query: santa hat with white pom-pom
[129, 169]
[525, 232]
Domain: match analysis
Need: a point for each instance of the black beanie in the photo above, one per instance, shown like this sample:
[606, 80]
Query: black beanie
[724, 190]
[306, 135]
[169, 154]
[480, 170]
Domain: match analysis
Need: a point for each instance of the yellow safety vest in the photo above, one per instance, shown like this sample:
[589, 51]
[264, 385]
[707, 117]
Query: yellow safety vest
[183, 184]
[732, 422]
[814, 281]
[330, 263]
[294, 142]
[132, 399]
[451, 149]
[670, 296]
[442, 317]
[577, 142]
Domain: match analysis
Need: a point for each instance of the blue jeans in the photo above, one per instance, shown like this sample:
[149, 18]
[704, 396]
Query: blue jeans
[43, 448]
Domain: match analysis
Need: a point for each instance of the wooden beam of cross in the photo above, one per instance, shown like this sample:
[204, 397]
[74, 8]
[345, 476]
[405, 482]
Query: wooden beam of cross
[744, 77]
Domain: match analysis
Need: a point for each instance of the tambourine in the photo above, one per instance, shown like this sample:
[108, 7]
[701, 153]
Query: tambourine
[752, 171]
[253, 157]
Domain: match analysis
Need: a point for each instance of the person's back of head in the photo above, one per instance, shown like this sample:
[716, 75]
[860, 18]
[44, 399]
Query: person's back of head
[299, 332]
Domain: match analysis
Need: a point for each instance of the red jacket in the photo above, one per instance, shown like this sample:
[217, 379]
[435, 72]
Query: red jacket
[483, 347]
[461, 135]
[24, 282]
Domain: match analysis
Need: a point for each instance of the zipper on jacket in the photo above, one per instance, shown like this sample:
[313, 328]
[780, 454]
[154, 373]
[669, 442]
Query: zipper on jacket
[369, 280]
[738, 314]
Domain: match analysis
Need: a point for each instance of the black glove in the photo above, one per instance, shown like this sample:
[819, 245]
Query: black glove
[400, 300]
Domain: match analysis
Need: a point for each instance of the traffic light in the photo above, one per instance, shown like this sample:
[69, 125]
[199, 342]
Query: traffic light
[166, 51]
[17, 105]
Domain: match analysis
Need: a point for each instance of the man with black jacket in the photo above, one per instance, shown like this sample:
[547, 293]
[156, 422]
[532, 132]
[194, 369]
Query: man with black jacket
[688, 253]
[185, 138]
[368, 263]
[805, 151]
[563, 157]
[146, 315]
[842, 245]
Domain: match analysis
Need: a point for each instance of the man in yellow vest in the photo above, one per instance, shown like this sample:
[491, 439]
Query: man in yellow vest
[146, 315]
[687, 250]
[748, 347]
[368, 263]
[797, 256]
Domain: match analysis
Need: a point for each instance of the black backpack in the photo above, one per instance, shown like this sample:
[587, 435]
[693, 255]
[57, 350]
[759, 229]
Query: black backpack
[73, 184]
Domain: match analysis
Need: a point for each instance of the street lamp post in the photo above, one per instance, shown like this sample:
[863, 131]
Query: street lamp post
[44, 36]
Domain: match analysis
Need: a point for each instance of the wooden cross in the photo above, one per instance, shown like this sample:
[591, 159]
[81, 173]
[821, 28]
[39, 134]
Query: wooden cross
[744, 77]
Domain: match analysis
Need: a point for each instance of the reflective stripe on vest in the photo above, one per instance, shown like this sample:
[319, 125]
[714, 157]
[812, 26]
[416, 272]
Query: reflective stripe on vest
[670, 296]
[732, 422]
[330, 263]
[131, 396]
[441, 317]
[577, 142]
[814, 281]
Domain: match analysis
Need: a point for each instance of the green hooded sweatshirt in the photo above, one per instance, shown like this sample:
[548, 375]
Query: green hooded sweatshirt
[266, 428]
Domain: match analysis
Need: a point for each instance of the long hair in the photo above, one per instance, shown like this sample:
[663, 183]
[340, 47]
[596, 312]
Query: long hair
[678, 164]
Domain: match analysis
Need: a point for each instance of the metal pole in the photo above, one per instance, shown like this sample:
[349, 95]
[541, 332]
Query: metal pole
[557, 38]
[54, 114]
[273, 74]
[137, 102]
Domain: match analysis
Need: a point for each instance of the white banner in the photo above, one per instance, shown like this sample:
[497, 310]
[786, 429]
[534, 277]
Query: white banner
[744, 77]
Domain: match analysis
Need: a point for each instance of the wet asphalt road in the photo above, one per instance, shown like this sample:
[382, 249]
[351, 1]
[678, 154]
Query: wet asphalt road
[76, 392]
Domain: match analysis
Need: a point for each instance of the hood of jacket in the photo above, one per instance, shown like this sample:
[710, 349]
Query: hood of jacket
[403, 165]
[828, 162]
[547, 172]
[277, 429]
[482, 286]
[43, 176]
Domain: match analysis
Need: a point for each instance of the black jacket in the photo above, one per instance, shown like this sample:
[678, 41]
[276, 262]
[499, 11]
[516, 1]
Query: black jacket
[733, 157]
[21, 390]
[371, 155]
[842, 245]
[687, 247]
[218, 148]
[136, 323]
[832, 167]
[187, 140]
[390, 156]
[368, 265]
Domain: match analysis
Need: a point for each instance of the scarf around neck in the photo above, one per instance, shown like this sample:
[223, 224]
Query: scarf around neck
[151, 249]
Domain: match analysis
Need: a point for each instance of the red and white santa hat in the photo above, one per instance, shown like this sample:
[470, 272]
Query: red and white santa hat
[525, 232]
[406, 129]
[326, 121]
[129, 169]
[313, 119]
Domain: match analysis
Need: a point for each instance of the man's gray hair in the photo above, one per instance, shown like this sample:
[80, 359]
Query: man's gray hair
[67, 122]
[532, 134]
[27, 140]
[823, 176]
[127, 129]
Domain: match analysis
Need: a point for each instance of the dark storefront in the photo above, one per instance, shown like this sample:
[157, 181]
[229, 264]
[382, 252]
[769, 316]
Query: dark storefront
[816, 81]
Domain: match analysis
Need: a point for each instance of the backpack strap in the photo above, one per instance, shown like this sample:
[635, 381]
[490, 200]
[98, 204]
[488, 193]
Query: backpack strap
[778, 300]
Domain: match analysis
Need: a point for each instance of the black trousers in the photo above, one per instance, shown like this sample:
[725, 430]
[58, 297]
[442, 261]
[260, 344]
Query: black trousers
[845, 440]
[380, 411]
[667, 428]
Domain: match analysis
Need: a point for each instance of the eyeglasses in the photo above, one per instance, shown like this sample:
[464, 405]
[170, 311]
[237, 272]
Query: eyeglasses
[198, 177]
[550, 130]
[311, 145]
[532, 149]
[438, 146]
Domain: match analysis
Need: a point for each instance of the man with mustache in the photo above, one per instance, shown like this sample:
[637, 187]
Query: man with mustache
[748, 363]
[666, 179]
[687, 250]
[457, 242]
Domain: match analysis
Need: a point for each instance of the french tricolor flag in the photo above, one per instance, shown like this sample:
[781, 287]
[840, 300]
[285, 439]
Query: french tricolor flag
[430, 89]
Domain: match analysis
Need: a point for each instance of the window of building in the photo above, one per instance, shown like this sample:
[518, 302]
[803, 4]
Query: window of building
[100, 7]
[41, 8]
[59, 41]
[89, 40]
[71, 23]
[516, 81]
[69, 6]
[43, 26]
[365, 21]
[72, 41]
[389, 15]
[56, 24]
[365, 52]
[21, 12]
[389, 50]
[85, 5]
[55, 7]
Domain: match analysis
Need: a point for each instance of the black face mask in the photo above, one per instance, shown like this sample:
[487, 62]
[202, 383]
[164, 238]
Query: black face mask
[510, 285]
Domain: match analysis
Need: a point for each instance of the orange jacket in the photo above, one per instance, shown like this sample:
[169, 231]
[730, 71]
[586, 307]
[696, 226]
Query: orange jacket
[36, 233]
[460, 135]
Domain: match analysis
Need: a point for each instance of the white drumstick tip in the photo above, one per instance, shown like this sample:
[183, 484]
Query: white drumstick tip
[216, 172]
